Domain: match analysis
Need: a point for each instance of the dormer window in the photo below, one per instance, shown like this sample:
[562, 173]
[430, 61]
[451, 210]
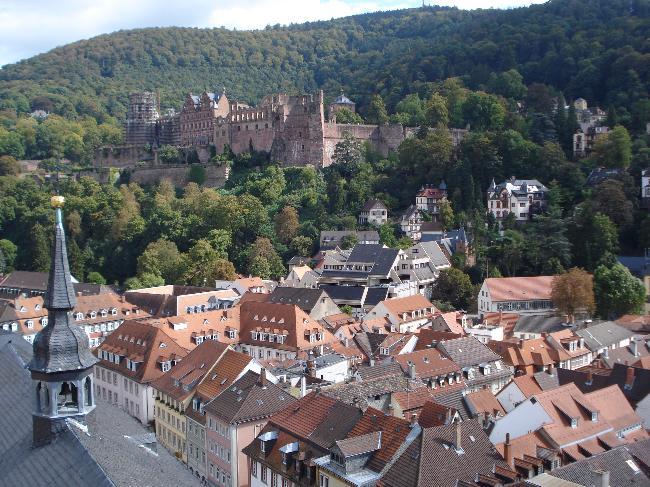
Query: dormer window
[78, 316]
[114, 312]
[231, 333]
[574, 422]
[163, 345]
[37, 307]
[104, 313]
[384, 351]
[166, 366]
[30, 324]
[594, 416]
[93, 314]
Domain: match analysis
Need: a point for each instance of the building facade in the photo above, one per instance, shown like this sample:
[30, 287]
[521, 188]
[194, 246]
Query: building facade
[521, 197]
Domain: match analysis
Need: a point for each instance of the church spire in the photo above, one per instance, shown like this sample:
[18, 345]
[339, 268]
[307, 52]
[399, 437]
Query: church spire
[60, 291]
[62, 363]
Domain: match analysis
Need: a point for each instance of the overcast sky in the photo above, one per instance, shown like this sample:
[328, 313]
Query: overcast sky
[29, 27]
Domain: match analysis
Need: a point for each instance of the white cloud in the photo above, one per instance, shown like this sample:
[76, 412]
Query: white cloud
[30, 27]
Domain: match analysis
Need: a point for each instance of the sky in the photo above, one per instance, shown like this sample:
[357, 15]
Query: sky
[30, 27]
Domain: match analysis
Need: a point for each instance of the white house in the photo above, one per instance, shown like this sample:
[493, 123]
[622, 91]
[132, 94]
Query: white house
[411, 222]
[523, 295]
[404, 314]
[523, 197]
[374, 212]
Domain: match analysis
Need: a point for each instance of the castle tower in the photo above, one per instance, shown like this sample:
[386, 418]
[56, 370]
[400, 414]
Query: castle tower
[341, 102]
[62, 363]
[141, 118]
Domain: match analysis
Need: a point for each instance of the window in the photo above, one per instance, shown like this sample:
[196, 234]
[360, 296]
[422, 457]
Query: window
[254, 469]
[264, 474]
[324, 480]
[274, 480]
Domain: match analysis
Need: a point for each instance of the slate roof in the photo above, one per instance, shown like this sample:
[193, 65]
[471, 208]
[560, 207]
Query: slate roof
[435, 253]
[304, 298]
[358, 393]
[604, 334]
[247, 399]
[344, 293]
[383, 257]
[538, 324]
[467, 351]
[374, 203]
[374, 295]
[638, 348]
[105, 457]
[622, 463]
[420, 465]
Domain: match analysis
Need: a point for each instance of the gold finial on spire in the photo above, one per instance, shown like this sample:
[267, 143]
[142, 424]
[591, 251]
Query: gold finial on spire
[57, 201]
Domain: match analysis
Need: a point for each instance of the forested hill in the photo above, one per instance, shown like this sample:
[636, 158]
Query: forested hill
[597, 49]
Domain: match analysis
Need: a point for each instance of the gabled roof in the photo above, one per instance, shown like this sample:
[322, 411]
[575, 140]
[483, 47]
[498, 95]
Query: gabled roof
[387, 432]
[25, 280]
[316, 418]
[428, 363]
[624, 464]
[281, 319]
[432, 459]
[431, 192]
[399, 306]
[181, 381]
[484, 401]
[305, 298]
[228, 369]
[374, 204]
[467, 351]
[519, 288]
[604, 334]
[435, 253]
[248, 399]
[143, 343]
[383, 257]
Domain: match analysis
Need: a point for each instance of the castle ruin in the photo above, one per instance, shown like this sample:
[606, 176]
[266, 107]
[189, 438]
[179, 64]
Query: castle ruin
[292, 129]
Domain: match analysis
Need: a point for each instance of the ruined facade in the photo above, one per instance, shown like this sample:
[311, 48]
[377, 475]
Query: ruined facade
[293, 129]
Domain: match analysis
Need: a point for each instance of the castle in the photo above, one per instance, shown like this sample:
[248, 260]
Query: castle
[293, 129]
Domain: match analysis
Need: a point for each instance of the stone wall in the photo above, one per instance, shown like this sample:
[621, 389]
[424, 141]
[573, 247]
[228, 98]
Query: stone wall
[215, 175]
[122, 156]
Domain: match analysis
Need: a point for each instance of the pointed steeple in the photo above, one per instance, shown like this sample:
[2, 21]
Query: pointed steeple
[493, 185]
[60, 291]
[62, 364]
[61, 345]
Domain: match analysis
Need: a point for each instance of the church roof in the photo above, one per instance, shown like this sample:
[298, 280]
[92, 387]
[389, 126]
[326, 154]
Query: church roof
[343, 100]
[112, 452]
[61, 346]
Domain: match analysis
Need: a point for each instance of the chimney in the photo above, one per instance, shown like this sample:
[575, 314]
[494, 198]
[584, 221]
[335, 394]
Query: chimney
[346, 342]
[634, 346]
[412, 371]
[507, 451]
[372, 362]
[603, 477]
[590, 378]
[311, 368]
[551, 369]
[303, 386]
[263, 378]
[391, 410]
[457, 436]
[414, 420]
[629, 378]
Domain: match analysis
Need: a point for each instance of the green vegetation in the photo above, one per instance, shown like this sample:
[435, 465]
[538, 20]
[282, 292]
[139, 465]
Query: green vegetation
[434, 68]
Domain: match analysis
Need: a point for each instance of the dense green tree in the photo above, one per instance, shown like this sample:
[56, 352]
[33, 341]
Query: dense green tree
[454, 286]
[349, 241]
[95, 278]
[509, 84]
[302, 246]
[617, 291]
[345, 115]
[376, 112]
[437, 112]
[161, 258]
[286, 224]
[614, 150]
[9, 166]
[483, 111]
[169, 154]
[348, 155]
[9, 252]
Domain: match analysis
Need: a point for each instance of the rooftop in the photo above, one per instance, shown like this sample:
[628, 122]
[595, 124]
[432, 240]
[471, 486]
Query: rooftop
[519, 288]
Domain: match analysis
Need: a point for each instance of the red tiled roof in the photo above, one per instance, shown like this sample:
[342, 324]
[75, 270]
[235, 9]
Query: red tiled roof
[484, 401]
[519, 288]
[428, 363]
[143, 343]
